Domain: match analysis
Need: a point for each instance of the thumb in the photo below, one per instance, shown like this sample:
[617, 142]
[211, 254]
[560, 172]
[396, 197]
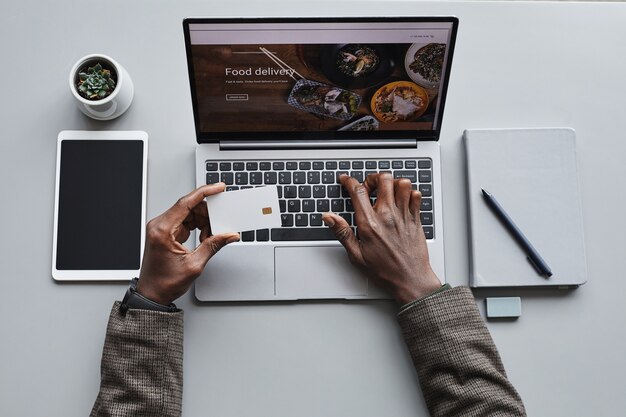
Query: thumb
[211, 245]
[345, 236]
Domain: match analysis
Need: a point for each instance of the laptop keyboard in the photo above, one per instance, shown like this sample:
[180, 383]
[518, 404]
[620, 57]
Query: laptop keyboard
[308, 188]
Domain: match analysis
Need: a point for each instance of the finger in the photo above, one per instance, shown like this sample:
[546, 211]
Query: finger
[210, 246]
[383, 184]
[345, 236]
[402, 193]
[359, 195]
[414, 205]
[185, 205]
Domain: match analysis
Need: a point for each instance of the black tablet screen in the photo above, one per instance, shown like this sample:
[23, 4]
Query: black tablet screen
[100, 199]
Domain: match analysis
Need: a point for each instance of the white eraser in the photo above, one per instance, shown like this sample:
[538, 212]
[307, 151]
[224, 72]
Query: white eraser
[503, 307]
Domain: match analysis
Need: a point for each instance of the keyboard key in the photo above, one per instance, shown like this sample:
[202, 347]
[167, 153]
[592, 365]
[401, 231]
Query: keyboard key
[357, 165]
[344, 164]
[286, 219]
[337, 205]
[265, 166]
[318, 165]
[245, 187]
[212, 177]
[426, 218]
[328, 177]
[284, 177]
[252, 166]
[278, 166]
[291, 191]
[347, 217]
[323, 206]
[370, 164]
[304, 233]
[247, 236]
[293, 206]
[304, 191]
[368, 173]
[302, 220]
[280, 191]
[238, 166]
[340, 173]
[225, 166]
[299, 177]
[412, 175]
[349, 205]
[291, 165]
[333, 191]
[256, 178]
[427, 204]
[308, 205]
[228, 178]
[410, 164]
[231, 188]
[397, 164]
[241, 178]
[263, 235]
[331, 165]
[270, 177]
[283, 205]
[211, 166]
[426, 190]
[319, 191]
[384, 165]
[313, 177]
[424, 176]
[424, 164]
[429, 232]
[315, 219]
[305, 166]
[357, 175]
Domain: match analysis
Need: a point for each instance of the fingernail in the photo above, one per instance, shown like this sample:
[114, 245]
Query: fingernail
[328, 221]
[233, 239]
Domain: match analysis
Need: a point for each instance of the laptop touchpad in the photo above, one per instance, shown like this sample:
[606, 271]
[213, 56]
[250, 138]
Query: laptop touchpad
[316, 272]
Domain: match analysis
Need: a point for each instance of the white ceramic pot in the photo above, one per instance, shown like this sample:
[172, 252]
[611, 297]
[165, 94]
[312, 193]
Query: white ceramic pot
[116, 103]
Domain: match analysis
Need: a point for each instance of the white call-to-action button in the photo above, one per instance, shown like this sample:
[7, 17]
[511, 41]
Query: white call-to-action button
[236, 97]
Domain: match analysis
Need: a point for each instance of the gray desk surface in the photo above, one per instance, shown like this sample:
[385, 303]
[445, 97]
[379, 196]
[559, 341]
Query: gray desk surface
[516, 65]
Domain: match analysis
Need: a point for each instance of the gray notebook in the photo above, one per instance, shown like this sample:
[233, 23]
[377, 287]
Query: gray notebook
[533, 175]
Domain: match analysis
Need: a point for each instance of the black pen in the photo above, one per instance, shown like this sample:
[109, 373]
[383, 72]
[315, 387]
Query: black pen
[533, 256]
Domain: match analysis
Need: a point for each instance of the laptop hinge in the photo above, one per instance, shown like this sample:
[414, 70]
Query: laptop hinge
[233, 145]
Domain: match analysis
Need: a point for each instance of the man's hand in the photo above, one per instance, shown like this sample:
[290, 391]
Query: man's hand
[391, 247]
[168, 268]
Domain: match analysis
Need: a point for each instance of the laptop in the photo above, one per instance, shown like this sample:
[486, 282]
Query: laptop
[296, 102]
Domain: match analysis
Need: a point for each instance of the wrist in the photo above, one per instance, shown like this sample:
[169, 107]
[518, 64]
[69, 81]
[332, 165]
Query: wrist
[418, 288]
[134, 299]
[151, 293]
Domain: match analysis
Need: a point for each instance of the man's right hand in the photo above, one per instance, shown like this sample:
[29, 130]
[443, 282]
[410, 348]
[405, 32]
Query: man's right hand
[391, 247]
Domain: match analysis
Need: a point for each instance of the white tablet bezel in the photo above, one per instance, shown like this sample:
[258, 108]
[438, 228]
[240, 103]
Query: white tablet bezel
[98, 275]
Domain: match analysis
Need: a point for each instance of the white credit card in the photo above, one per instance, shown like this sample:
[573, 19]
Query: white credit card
[243, 210]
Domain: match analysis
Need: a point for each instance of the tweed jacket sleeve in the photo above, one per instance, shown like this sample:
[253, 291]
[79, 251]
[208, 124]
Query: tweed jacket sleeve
[458, 365]
[142, 365]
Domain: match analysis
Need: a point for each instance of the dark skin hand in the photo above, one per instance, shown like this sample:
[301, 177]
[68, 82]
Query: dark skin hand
[168, 268]
[391, 248]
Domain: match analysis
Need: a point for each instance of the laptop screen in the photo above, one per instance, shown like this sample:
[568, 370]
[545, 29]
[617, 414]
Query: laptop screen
[318, 78]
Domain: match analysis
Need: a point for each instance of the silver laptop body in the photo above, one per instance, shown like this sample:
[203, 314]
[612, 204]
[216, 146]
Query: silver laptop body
[256, 86]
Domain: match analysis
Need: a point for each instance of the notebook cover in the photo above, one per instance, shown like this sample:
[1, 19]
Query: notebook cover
[533, 175]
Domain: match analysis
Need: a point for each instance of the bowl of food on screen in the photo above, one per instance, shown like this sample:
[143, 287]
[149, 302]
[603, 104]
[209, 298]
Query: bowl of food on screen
[356, 65]
[101, 87]
[365, 123]
[399, 101]
[324, 100]
[424, 63]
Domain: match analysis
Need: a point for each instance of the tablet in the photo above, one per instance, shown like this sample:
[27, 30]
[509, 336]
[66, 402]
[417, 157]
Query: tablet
[100, 205]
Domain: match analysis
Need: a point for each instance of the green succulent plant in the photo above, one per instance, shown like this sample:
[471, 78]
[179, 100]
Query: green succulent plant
[96, 83]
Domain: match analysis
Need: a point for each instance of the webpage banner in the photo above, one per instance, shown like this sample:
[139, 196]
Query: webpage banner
[377, 78]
